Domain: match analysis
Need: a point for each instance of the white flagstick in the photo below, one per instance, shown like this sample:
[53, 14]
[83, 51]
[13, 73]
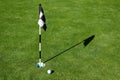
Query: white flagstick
[40, 64]
[41, 23]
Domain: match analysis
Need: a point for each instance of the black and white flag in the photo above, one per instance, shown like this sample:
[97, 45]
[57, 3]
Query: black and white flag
[42, 19]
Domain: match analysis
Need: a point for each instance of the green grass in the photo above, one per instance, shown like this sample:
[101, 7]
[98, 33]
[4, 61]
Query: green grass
[69, 22]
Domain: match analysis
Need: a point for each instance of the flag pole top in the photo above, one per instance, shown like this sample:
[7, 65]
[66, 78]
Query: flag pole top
[40, 5]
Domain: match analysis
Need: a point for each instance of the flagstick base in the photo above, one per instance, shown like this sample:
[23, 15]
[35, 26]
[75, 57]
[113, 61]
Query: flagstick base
[40, 64]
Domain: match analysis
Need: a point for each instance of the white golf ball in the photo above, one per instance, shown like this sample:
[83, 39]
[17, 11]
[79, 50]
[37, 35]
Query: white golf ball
[49, 71]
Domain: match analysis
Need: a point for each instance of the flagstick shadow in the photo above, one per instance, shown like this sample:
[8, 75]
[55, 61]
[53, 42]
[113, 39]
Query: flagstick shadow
[85, 42]
[63, 51]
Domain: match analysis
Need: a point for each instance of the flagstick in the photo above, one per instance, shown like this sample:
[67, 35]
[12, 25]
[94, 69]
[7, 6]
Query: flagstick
[39, 44]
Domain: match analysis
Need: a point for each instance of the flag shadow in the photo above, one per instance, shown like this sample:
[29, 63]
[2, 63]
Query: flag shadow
[85, 43]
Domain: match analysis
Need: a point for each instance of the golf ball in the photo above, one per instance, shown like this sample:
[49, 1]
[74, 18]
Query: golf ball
[50, 71]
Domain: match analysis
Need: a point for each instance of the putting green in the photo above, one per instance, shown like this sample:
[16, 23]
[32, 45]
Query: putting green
[68, 22]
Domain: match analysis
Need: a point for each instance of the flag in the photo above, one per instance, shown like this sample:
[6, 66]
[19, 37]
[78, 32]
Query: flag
[42, 19]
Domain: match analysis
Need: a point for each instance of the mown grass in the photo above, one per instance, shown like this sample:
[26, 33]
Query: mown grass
[69, 22]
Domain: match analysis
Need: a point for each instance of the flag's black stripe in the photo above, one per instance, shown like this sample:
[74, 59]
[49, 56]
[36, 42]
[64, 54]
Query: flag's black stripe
[43, 18]
[39, 38]
[44, 27]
